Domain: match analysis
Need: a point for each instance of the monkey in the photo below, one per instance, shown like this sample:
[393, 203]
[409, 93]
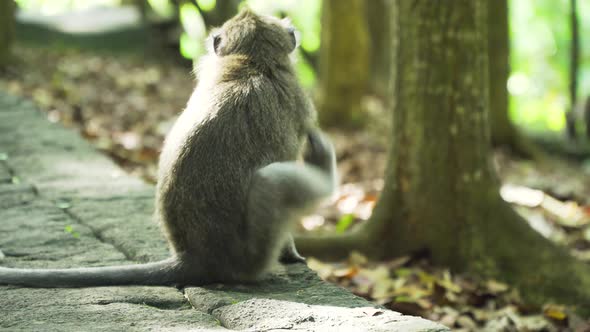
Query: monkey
[243, 161]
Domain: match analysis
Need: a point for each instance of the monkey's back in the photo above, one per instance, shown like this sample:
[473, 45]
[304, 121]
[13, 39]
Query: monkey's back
[208, 163]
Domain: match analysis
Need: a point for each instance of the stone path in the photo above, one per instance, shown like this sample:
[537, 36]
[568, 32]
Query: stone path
[63, 204]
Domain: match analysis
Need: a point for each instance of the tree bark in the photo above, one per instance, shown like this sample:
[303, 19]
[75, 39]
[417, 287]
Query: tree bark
[7, 8]
[343, 62]
[441, 194]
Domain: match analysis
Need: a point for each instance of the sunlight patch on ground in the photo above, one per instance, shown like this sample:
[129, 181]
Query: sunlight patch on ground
[83, 21]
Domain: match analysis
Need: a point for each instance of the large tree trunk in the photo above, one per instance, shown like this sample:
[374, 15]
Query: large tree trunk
[441, 194]
[344, 63]
[6, 30]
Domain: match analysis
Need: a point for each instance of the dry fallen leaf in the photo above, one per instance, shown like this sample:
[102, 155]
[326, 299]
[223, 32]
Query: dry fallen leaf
[347, 272]
[567, 213]
[496, 287]
[521, 195]
[555, 312]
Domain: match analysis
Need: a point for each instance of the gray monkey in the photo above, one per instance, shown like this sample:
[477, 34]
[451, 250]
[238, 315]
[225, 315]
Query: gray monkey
[229, 183]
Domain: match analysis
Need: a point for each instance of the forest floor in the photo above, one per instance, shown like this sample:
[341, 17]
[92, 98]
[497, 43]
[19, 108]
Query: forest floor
[125, 104]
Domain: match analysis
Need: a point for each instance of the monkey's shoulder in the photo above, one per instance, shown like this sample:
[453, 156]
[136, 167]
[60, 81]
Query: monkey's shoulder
[270, 99]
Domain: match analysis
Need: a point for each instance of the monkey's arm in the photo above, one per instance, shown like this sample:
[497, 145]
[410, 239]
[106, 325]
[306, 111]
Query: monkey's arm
[283, 192]
[301, 187]
[320, 153]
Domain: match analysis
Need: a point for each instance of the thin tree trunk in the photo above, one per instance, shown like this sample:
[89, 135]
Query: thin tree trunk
[343, 62]
[378, 15]
[503, 132]
[6, 30]
[224, 10]
[570, 117]
[441, 194]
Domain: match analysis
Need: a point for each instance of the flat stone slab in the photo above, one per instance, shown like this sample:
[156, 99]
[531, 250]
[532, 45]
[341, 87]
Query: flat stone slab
[63, 204]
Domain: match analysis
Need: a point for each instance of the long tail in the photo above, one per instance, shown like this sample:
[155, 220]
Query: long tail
[164, 272]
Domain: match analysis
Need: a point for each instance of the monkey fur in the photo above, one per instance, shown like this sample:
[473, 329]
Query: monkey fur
[229, 183]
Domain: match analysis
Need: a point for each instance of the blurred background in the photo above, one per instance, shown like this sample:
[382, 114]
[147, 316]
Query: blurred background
[120, 71]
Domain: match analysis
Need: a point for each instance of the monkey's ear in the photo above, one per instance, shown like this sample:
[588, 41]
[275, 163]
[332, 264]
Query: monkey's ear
[216, 43]
[286, 22]
[294, 34]
[213, 43]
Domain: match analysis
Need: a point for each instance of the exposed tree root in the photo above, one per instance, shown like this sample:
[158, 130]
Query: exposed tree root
[508, 249]
[499, 244]
[520, 146]
[331, 247]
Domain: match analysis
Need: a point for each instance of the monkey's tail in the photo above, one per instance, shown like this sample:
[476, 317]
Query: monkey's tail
[162, 273]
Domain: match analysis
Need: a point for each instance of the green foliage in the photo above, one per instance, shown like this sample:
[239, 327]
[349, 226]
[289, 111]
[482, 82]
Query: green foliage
[192, 39]
[540, 52]
[163, 8]
[190, 48]
[70, 229]
[305, 72]
[206, 5]
[344, 223]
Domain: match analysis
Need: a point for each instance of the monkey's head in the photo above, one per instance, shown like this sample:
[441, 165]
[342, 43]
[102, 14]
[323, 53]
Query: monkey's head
[264, 37]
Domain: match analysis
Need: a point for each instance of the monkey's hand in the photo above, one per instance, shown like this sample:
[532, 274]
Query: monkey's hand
[289, 254]
[320, 151]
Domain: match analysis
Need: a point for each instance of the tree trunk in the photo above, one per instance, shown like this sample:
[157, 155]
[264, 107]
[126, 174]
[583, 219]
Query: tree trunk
[503, 132]
[379, 20]
[570, 116]
[224, 10]
[6, 30]
[343, 62]
[441, 194]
